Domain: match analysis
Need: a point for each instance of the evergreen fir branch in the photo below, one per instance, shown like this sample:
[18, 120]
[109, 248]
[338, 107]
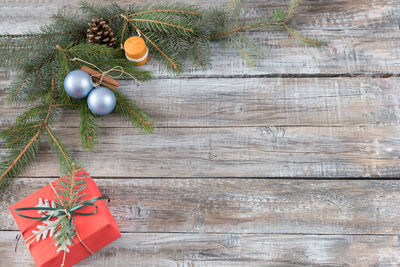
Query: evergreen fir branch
[93, 10]
[87, 128]
[177, 9]
[245, 54]
[251, 44]
[66, 160]
[299, 36]
[20, 53]
[238, 11]
[16, 162]
[132, 112]
[24, 153]
[65, 66]
[90, 52]
[32, 114]
[69, 187]
[21, 85]
[171, 28]
[69, 193]
[164, 11]
[200, 55]
[27, 83]
[280, 18]
[62, 20]
[292, 9]
[8, 133]
[34, 95]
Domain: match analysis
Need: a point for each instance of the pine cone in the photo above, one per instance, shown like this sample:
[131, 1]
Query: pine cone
[100, 33]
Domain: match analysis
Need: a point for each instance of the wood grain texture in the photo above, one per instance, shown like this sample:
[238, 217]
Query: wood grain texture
[303, 112]
[184, 250]
[369, 49]
[253, 206]
[233, 152]
[213, 102]
[326, 14]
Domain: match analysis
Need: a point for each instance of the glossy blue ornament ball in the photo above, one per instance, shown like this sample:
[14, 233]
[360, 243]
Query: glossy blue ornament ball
[78, 84]
[101, 101]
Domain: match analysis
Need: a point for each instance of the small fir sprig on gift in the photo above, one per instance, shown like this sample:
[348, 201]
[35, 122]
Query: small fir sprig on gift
[172, 32]
[58, 215]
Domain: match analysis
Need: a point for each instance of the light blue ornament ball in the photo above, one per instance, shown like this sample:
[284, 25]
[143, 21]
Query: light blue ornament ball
[101, 101]
[78, 84]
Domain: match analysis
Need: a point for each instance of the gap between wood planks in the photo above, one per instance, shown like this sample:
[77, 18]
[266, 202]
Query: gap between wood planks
[5, 75]
[236, 233]
[283, 75]
[228, 178]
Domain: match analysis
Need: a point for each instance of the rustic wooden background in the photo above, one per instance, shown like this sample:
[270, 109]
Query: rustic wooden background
[285, 164]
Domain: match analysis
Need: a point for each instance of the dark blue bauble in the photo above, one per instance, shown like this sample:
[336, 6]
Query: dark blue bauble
[101, 101]
[78, 84]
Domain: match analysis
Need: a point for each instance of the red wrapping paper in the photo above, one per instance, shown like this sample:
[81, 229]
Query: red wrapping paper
[96, 231]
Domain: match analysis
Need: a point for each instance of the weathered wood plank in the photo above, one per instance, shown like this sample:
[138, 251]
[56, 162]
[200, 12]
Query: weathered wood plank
[264, 206]
[367, 50]
[214, 102]
[234, 152]
[325, 14]
[347, 53]
[161, 249]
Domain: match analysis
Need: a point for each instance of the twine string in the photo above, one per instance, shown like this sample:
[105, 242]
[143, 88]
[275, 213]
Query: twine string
[123, 29]
[127, 20]
[102, 74]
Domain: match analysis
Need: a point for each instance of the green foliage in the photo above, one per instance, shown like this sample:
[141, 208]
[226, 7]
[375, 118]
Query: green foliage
[132, 112]
[69, 194]
[174, 33]
[234, 30]
[66, 160]
[18, 138]
[87, 127]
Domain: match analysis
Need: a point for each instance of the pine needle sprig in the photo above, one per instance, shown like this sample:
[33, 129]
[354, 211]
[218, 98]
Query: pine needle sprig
[88, 128]
[132, 112]
[66, 160]
[26, 83]
[93, 52]
[108, 12]
[23, 139]
[68, 194]
[16, 160]
[234, 30]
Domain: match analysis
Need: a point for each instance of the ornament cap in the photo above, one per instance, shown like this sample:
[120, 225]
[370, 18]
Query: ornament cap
[136, 50]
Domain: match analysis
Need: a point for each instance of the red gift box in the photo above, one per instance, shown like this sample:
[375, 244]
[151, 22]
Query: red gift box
[95, 231]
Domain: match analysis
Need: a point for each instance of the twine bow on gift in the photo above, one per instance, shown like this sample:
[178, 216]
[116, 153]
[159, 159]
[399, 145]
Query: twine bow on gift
[61, 211]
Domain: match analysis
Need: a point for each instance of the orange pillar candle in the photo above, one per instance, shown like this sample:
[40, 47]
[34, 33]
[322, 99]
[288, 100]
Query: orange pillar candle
[136, 50]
